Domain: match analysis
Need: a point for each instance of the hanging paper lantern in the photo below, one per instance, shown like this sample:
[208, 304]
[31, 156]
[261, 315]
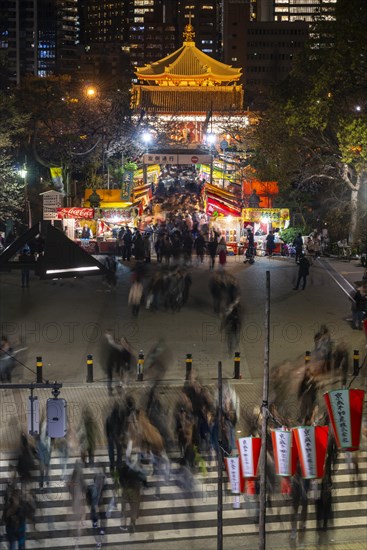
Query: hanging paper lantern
[285, 453]
[235, 479]
[250, 487]
[234, 474]
[285, 486]
[311, 442]
[345, 409]
[249, 451]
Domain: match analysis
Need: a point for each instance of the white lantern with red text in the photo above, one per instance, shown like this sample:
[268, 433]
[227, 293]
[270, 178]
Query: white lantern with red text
[311, 442]
[249, 451]
[285, 452]
[345, 408]
[235, 479]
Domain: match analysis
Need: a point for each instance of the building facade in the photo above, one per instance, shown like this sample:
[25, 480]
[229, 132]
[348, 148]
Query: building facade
[55, 26]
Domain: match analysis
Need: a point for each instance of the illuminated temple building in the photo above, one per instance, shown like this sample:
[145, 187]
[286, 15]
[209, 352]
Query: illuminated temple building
[189, 85]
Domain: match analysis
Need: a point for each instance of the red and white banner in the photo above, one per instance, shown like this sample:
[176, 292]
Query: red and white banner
[249, 451]
[345, 409]
[221, 208]
[285, 452]
[311, 444]
[75, 213]
[234, 475]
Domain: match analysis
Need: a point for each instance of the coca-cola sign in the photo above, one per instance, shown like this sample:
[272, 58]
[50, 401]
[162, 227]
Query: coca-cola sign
[75, 213]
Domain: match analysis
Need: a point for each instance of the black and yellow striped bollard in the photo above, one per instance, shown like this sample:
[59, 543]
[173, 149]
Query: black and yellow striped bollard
[89, 368]
[39, 367]
[355, 362]
[237, 366]
[140, 367]
[188, 365]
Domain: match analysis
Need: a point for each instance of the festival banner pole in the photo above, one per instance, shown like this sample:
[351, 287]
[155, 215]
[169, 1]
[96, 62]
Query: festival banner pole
[264, 411]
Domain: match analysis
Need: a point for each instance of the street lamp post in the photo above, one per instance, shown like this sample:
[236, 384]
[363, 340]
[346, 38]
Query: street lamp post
[147, 138]
[27, 213]
[210, 139]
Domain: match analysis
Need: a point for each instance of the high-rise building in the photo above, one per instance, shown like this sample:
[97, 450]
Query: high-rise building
[55, 26]
[103, 21]
[206, 17]
[293, 10]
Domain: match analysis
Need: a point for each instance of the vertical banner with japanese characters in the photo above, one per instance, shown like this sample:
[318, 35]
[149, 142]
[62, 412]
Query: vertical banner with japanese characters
[311, 444]
[233, 471]
[345, 409]
[249, 451]
[285, 455]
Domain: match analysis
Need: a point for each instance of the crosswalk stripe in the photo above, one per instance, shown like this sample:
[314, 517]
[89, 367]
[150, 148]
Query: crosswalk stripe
[177, 514]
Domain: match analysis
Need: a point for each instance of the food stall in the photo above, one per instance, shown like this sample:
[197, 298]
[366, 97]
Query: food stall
[224, 213]
[74, 219]
[263, 220]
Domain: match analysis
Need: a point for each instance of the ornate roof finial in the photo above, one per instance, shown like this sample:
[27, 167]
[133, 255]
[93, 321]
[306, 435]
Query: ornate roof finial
[189, 33]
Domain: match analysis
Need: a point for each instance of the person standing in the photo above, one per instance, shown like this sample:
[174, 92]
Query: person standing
[127, 244]
[303, 271]
[212, 247]
[25, 258]
[270, 243]
[222, 253]
[359, 306]
[298, 245]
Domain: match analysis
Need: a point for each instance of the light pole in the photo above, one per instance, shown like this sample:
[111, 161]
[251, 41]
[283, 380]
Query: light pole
[146, 138]
[210, 139]
[27, 213]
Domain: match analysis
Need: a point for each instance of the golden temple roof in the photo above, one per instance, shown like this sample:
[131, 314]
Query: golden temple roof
[188, 62]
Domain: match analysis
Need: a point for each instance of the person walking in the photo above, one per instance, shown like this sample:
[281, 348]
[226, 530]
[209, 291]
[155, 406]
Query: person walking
[135, 297]
[303, 271]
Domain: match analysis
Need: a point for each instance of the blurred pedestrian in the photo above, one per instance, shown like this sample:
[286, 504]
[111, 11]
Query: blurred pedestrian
[135, 297]
[14, 518]
[94, 496]
[199, 245]
[77, 489]
[43, 452]
[26, 463]
[147, 247]
[7, 361]
[88, 435]
[131, 482]
[110, 356]
[115, 425]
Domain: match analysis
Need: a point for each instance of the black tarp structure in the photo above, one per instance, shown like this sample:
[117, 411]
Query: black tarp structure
[58, 258]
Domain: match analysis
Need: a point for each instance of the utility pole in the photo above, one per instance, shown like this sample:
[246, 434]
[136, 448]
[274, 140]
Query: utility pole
[55, 386]
[220, 463]
[264, 411]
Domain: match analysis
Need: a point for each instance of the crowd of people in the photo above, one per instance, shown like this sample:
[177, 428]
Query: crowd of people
[144, 437]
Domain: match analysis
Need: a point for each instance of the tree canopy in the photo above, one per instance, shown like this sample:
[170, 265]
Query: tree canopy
[314, 137]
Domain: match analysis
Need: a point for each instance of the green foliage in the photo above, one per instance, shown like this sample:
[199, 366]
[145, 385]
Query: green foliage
[352, 138]
[288, 235]
[11, 191]
[130, 166]
[313, 140]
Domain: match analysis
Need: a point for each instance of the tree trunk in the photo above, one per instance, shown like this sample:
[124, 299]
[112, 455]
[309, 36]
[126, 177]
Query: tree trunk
[353, 213]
